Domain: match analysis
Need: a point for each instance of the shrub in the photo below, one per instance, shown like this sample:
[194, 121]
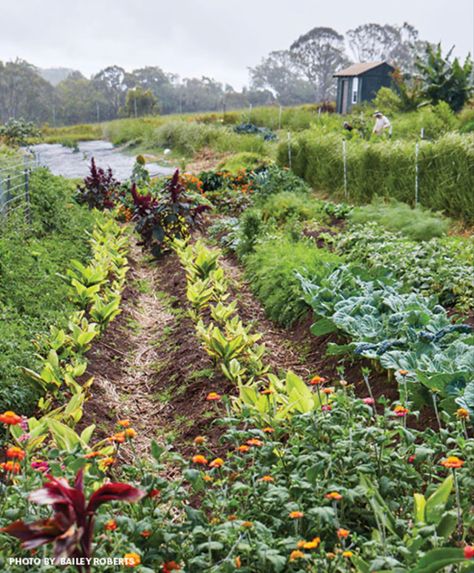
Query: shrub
[419, 224]
[271, 272]
[285, 206]
[276, 180]
[245, 160]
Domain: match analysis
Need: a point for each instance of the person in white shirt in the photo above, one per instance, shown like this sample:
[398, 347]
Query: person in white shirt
[381, 124]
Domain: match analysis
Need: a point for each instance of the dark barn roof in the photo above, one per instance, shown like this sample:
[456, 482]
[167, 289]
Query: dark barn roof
[359, 69]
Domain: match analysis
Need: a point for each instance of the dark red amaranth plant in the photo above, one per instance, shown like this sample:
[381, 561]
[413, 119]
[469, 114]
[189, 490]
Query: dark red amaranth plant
[99, 188]
[71, 528]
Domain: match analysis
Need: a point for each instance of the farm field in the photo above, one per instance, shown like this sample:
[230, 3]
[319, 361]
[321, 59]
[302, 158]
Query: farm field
[235, 371]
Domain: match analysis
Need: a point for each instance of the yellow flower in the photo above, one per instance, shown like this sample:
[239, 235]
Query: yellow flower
[347, 554]
[314, 544]
[217, 463]
[123, 423]
[296, 554]
[130, 433]
[132, 559]
[200, 460]
[462, 413]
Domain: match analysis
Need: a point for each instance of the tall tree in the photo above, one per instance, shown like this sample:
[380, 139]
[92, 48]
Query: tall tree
[445, 80]
[318, 54]
[140, 102]
[279, 74]
[112, 82]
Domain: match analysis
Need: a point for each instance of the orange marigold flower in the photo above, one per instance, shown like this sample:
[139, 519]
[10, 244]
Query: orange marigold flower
[347, 554]
[462, 413]
[452, 462]
[130, 433]
[217, 463]
[110, 525]
[199, 440]
[333, 495]
[199, 459]
[342, 533]
[469, 552]
[400, 411]
[132, 559]
[316, 380]
[118, 438]
[146, 533]
[296, 514]
[13, 467]
[16, 452]
[267, 479]
[247, 524]
[213, 397]
[254, 442]
[123, 423]
[268, 430]
[243, 448]
[296, 554]
[10, 418]
[314, 544]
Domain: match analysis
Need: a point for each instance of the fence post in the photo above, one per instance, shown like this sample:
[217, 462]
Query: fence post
[417, 150]
[289, 150]
[344, 162]
[27, 196]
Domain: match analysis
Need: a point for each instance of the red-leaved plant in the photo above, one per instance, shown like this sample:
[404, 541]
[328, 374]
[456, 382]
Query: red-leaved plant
[71, 528]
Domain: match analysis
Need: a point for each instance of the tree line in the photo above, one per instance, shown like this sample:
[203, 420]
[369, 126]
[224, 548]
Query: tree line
[300, 74]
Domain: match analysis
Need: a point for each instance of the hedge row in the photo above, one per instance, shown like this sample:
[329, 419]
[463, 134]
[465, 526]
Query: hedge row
[387, 168]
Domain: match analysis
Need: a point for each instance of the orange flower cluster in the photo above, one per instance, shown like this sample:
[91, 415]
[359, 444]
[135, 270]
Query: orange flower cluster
[200, 460]
[11, 467]
[313, 544]
[15, 452]
[110, 525]
[343, 533]
[132, 559]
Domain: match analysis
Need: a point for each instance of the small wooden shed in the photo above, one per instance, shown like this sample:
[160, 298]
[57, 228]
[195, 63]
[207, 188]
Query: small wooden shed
[361, 82]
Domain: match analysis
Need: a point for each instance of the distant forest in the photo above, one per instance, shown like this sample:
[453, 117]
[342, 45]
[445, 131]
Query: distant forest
[300, 74]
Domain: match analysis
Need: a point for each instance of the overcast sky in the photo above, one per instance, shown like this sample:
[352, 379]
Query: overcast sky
[217, 38]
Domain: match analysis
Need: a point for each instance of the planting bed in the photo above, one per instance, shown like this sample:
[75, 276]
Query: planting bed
[207, 385]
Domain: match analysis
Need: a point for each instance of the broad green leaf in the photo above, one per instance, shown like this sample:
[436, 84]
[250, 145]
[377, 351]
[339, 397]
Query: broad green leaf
[436, 503]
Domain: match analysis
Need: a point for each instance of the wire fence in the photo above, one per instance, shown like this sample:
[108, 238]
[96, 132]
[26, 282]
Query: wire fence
[15, 186]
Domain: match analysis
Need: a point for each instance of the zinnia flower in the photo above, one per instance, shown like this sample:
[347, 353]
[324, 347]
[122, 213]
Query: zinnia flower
[342, 533]
[247, 524]
[145, 533]
[40, 466]
[368, 401]
[296, 554]
[333, 495]
[16, 453]
[13, 467]
[462, 413]
[316, 380]
[296, 514]
[347, 554]
[328, 391]
[132, 559]
[254, 442]
[200, 460]
[123, 423]
[243, 448]
[313, 544]
[326, 408]
[10, 418]
[130, 433]
[267, 479]
[118, 438]
[170, 566]
[411, 459]
[452, 462]
[400, 411]
[217, 463]
[199, 440]
[268, 430]
[213, 397]
[110, 525]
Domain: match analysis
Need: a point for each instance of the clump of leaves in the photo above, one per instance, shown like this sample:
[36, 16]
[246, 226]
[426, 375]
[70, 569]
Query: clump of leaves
[167, 217]
[99, 188]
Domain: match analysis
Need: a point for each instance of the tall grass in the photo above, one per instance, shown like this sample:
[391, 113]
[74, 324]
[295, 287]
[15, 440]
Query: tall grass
[387, 168]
